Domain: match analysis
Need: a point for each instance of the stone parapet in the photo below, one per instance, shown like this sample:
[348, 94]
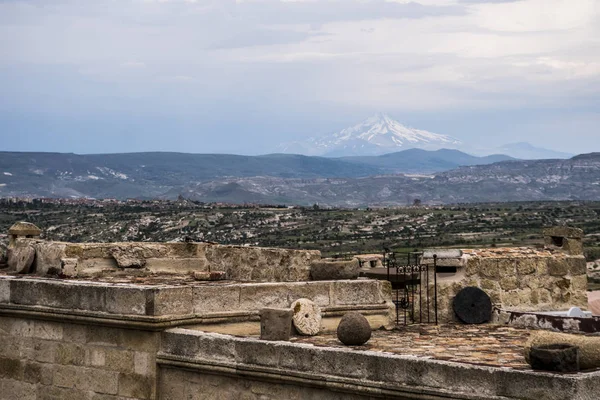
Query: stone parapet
[221, 366]
[159, 306]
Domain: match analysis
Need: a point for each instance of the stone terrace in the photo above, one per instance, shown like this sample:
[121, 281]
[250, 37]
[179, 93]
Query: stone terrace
[489, 345]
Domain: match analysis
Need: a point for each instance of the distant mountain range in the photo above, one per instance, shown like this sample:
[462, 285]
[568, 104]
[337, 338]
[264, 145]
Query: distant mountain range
[381, 134]
[147, 175]
[574, 179]
[444, 176]
[526, 151]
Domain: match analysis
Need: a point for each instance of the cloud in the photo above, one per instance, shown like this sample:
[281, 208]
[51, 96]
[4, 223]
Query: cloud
[133, 64]
[296, 58]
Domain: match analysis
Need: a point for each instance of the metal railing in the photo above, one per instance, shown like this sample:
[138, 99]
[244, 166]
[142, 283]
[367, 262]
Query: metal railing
[414, 286]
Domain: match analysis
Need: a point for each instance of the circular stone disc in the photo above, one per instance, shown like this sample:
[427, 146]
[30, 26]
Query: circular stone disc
[307, 317]
[472, 306]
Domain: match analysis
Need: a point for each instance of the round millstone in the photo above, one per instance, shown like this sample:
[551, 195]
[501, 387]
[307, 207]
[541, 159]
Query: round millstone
[472, 306]
[307, 317]
[354, 329]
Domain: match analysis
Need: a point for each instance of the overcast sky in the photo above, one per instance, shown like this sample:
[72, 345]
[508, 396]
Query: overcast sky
[92, 76]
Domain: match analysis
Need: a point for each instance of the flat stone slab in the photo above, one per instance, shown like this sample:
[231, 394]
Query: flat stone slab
[442, 253]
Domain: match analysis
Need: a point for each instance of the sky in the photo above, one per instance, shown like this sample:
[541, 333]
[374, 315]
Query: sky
[225, 76]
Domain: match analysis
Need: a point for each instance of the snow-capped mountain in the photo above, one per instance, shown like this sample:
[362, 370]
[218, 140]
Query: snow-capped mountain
[378, 134]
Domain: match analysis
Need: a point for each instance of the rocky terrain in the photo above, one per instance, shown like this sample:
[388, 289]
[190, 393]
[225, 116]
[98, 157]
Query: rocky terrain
[574, 179]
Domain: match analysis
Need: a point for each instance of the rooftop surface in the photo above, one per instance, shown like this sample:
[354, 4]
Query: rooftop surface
[489, 345]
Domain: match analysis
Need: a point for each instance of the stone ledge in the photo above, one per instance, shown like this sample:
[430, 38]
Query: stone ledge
[183, 300]
[367, 372]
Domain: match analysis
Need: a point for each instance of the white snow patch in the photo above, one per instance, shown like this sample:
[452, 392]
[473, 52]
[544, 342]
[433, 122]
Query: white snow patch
[108, 171]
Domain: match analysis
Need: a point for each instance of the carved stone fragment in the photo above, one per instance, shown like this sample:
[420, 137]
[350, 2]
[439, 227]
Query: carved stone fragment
[307, 317]
[21, 256]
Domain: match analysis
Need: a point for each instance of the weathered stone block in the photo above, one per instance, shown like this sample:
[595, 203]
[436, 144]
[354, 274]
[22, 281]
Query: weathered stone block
[11, 369]
[126, 300]
[119, 360]
[318, 292]
[92, 297]
[74, 333]
[144, 363]
[97, 380]
[327, 270]
[18, 390]
[175, 342]
[210, 275]
[488, 284]
[576, 265]
[275, 323]
[170, 301]
[507, 267]
[136, 386]
[139, 340]
[177, 265]
[444, 262]
[69, 354]
[21, 256]
[44, 293]
[442, 253]
[69, 267]
[257, 353]
[579, 283]
[215, 298]
[48, 330]
[38, 373]
[573, 246]
[563, 231]
[64, 376]
[4, 291]
[43, 351]
[48, 258]
[103, 336]
[356, 292]
[95, 357]
[558, 267]
[488, 268]
[509, 283]
[473, 266]
[526, 266]
[266, 295]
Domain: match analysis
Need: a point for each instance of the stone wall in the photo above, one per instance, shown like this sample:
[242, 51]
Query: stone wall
[75, 339]
[96, 259]
[54, 360]
[520, 279]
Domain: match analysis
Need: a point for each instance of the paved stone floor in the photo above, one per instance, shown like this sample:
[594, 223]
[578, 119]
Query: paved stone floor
[491, 345]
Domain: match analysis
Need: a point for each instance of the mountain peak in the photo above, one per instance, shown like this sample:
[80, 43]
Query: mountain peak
[377, 134]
